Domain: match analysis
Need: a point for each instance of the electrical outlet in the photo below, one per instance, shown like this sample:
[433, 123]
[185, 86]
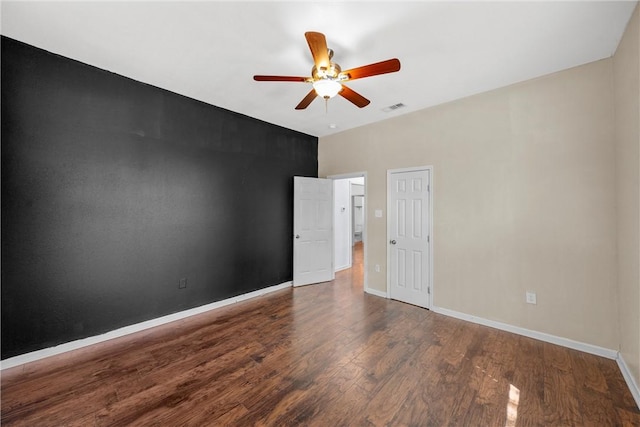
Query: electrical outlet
[531, 297]
[377, 268]
[182, 283]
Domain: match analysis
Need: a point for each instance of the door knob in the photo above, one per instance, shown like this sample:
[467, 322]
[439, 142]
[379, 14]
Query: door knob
[393, 242]
[297, 236]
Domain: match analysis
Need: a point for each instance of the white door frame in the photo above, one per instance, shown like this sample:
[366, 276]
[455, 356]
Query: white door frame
[389, 225]
[364, 226]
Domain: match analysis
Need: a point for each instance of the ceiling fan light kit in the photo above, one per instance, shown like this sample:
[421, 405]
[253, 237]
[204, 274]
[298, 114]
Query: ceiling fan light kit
[327, 77]
[327, 88]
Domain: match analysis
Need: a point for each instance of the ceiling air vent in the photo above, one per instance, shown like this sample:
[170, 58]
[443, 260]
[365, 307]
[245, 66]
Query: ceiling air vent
[393, 107]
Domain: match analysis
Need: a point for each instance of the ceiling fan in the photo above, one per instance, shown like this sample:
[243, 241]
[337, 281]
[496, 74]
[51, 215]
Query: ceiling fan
[327, 77]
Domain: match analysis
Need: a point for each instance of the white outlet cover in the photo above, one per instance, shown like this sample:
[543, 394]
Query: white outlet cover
[531, 297]
[378, 213]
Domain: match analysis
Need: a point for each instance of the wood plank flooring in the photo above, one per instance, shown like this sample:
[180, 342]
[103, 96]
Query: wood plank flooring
[319, 355]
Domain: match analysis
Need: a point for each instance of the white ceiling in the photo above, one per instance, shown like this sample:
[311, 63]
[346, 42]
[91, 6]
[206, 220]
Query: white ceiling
[209, 50]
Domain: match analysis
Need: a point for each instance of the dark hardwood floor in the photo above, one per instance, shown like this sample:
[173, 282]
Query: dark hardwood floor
[321, 355]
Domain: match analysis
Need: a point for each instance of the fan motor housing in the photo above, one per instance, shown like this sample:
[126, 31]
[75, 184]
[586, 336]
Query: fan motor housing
[322, 73]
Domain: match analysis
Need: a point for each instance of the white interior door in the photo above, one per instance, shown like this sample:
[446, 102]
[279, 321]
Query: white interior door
[312, 230]
[409, 240]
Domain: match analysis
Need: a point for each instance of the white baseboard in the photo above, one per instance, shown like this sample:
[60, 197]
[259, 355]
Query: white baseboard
[375, 292]
[629, 379]
[74, 345]
[344, 267]
[553, 339]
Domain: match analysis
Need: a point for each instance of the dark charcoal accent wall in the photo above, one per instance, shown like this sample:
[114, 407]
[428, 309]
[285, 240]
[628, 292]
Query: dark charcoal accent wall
[113, 190]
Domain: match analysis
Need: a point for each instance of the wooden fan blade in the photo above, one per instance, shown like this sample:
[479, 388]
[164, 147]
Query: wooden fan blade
[318, 46]
[307, 100]
[279, 79]
[382, 67]
[353, 96]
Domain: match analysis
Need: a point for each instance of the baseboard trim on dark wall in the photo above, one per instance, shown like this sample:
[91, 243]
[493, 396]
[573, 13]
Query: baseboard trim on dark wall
[132, 329]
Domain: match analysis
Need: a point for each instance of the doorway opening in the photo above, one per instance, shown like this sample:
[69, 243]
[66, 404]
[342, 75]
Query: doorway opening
[350, 236]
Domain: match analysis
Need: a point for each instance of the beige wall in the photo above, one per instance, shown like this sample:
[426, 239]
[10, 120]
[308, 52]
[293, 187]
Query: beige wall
[627, 135]
[524, 199]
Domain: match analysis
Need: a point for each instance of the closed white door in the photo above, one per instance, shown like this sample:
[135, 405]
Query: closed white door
[312, 230]
[408, 236]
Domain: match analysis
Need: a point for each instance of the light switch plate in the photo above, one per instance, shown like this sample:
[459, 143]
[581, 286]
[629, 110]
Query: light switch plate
[378, 213]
